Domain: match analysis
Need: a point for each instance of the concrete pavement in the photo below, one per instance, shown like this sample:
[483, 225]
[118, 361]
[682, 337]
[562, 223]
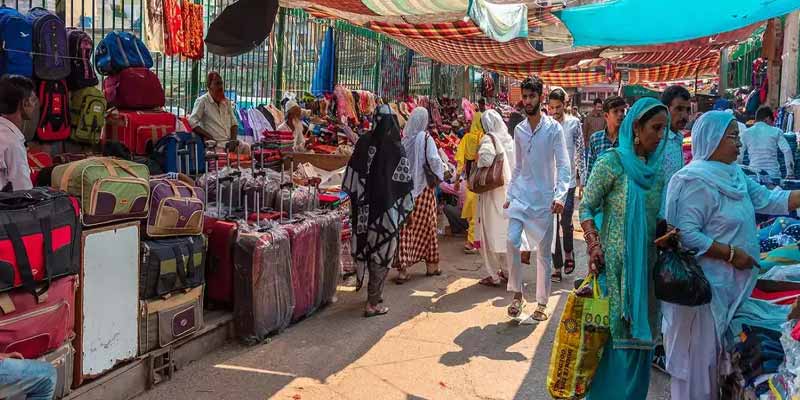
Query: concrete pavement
[446, 337]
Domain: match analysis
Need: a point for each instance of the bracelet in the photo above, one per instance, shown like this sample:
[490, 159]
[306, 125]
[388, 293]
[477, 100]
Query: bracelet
[732, 255]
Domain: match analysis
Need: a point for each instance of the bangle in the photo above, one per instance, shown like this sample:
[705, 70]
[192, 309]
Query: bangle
[732, 254]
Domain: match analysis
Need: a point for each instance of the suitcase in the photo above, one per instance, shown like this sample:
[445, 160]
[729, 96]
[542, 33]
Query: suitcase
[26, 214]
[108, 189]
[181, 152]
[165, 321]
[62, 360]
[139, 131]
[107, 308]
[36, 162]
[304, 237]
[219, 260]
[170, 265]
[34, 328]
[329, 260]
[263, 285]
[134, 89]
[176, 207]
[121, 50]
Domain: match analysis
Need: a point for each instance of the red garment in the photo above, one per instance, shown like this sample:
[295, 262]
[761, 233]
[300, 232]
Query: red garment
[173, 28]
[796, 332]
[783, 298]
[193, 30]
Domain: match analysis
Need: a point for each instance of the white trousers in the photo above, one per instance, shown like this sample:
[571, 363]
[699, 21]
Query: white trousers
[544, 257]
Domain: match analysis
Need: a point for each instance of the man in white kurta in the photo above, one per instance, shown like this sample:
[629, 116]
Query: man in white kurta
[539, 184]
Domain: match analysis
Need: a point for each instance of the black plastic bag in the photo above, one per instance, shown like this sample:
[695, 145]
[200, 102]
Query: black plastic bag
[679, 279]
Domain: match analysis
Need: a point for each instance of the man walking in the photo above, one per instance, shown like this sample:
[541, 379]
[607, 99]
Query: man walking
[676, 98]
[608, 138]
[537, 190]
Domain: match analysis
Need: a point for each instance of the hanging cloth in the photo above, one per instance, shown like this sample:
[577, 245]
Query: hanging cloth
[173, 30]
[154, 25]
[324, 75]
[500, 22]
[193, 30]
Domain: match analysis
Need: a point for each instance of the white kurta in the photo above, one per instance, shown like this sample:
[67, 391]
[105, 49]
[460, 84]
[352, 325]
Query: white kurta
[692, 335]
[762, 142]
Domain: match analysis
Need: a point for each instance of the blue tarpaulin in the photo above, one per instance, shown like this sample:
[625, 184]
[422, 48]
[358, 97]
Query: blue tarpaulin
[640, 22]
[323, 77]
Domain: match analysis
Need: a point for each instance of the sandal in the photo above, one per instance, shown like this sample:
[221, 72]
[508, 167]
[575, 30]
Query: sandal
[540, 314]
[503, 275]
[488, 281]
[399, 280]
[376, 312]
[515, 308]
[569, 266]
[555, 277]
[434, 273]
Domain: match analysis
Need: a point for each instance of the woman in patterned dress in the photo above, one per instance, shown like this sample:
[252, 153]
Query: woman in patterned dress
[418, 240]
[626, 185]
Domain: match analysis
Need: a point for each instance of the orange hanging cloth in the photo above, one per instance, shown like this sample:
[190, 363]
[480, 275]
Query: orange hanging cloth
[173, 28]
[193, 30]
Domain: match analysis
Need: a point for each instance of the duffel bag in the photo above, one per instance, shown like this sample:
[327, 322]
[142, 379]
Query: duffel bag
[164, 321]
[120, 50]
[109, 189]
[171, 264]
[35, 327]
[176, 207]
[139, 131]
[134, 89]
[37, 161]
[31, 222]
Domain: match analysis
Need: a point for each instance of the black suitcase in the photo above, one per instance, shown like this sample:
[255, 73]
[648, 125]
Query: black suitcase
[330, 251]
[166, 267]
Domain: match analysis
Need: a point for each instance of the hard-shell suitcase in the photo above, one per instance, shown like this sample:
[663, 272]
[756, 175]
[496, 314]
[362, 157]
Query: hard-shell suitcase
[176, 207]
[139, 131]
[170, 265]
[164, 321]
[263, 285]
[219, 265]
[303, 236]
[181, 152]
[34, 328]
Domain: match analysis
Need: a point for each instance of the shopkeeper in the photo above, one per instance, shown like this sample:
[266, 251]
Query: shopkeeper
[17, 104]
[212, 116]
[294, 124]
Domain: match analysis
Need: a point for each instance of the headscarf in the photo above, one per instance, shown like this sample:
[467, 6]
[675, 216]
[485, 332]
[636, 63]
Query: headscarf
[494, 125]
[414, 139]
[217, 95]
[641, 177]
[380, 192]
[473, 138]
[289, 106]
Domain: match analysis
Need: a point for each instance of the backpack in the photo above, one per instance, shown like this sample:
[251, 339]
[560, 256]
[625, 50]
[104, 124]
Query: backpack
[87, 108]
[50, 44]
[81, 48]
[120, 50]
[15, 33]
[54, 118]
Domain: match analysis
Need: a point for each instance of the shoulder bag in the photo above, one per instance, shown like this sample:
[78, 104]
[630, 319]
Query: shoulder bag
[484, 179]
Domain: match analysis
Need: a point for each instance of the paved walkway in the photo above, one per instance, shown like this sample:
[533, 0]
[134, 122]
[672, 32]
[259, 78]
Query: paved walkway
[446, 338]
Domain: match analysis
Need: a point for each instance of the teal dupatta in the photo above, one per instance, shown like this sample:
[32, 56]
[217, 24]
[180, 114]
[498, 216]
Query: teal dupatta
[641, 176]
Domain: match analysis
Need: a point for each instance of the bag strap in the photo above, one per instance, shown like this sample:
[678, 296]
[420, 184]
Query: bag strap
[180, 266]
[64, 184]
[125, 167]
[23, 262]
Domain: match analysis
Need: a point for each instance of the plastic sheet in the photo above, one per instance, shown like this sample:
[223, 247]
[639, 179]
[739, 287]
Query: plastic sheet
[303, 238]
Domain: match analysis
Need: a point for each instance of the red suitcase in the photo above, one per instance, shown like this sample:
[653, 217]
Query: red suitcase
[134, 89]
[139, 131]
[303, 237]
[32, 328]
[219, 265]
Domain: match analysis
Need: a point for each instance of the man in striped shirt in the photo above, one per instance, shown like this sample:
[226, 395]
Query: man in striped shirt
[600, 141]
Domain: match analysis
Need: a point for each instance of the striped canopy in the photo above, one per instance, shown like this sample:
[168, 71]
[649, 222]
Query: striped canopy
[672, 72]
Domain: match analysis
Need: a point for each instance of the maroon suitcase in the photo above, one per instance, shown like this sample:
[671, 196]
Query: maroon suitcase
[262, 285]
[329, 258]
[35, 328]
[303, 237]
[219, 265]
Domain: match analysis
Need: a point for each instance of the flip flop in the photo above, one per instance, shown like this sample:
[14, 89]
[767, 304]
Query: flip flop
[540, 314]
[488, 282]
[375, 313]
[555, 277]
[569, 266]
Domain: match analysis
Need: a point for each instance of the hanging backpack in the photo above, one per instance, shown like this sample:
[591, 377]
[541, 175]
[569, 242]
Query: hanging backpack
[81, 48]
[87, 109]
[54, 118]
[120, 50]
[49, 45]
[15, 34]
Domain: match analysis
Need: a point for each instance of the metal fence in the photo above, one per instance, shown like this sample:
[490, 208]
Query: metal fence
[286, 61]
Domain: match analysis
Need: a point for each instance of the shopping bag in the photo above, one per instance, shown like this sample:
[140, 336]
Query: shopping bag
[581, 335]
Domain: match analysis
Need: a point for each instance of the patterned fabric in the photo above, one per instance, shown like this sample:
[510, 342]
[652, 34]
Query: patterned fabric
[193, 30]
[598, 144]
[673, 155]
[173, 29]
[676, 71]
[352, 6]
[606, 192]
[669, 56]
[154, 25]
[524, 70]
[418, 241]
[415, 7]
[445, 30]
[474, 51]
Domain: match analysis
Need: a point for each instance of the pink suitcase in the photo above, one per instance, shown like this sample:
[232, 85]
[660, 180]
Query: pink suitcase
[303, 238]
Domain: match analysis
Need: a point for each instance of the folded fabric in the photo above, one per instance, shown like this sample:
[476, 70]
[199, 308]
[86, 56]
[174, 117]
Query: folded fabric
[785, 297]
[759, 313]
[785, 255]
[777, 241]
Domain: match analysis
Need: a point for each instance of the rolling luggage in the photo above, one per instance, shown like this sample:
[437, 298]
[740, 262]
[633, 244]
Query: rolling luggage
[164, 321]
[87, 108]
[176, 207]
[81, 48]
[108, 189]
[134, 89]
[219, 265]
[139, 131]
[26, 215]
[49, 45]
[170, 265]
[121, 50]
[63, 360]
[329, 260]
[15, 33]
[303, 237]
[181, 152]
[263, 285]
[54, 122]
[34, 328]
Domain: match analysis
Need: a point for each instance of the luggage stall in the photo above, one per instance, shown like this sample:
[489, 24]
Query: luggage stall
[146, 246]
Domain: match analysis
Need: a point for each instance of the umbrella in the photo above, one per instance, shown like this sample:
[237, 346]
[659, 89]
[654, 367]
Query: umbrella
[241, 27]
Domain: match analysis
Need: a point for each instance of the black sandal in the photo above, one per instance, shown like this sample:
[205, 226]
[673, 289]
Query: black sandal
[569, 267]
[555, 277]
[376, 312]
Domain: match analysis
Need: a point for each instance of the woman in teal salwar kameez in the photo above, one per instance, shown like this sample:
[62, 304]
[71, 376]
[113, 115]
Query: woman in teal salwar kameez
[626, 186]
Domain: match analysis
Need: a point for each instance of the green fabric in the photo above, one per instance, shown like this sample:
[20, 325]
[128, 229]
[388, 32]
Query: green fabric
[641, 176]
[639, 91]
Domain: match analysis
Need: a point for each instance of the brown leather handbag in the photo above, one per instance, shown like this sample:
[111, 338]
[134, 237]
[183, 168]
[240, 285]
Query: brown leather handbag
[484, 179]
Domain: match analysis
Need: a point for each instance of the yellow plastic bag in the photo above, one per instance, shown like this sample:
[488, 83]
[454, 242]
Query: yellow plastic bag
[581, 335]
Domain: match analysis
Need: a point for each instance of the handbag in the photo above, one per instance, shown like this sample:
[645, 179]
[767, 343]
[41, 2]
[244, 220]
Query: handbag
[430, 177]
[679, 278]
[484, 179]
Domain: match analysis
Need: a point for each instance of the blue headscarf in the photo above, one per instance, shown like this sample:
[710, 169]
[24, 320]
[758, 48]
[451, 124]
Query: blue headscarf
[641, 177]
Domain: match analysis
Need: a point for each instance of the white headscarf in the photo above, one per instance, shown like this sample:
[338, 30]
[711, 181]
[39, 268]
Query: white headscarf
[414, 139]
[493, 124]
[417, 122]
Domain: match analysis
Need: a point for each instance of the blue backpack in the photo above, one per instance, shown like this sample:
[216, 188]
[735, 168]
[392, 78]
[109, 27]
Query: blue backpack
[16, 32]
[120, 50]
